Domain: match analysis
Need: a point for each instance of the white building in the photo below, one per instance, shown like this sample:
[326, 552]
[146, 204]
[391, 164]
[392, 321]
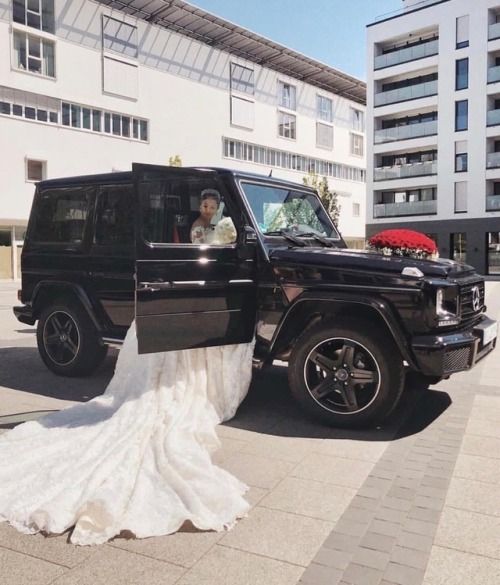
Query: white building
[433, 122]
[90, 87]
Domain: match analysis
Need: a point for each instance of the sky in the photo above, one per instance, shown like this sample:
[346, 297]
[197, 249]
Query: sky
[331, 31]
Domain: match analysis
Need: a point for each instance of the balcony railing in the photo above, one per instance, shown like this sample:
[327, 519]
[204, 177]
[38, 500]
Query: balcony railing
[493, 118]
[405, 171]
[406, 132]
[494, 31]
[493, 74]
[403, 94]
[493, 203]
[493, 160]
[410, 208]
[406, 54]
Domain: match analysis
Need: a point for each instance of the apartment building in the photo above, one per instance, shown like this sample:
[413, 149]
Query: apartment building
[433, 126]
[90, 87]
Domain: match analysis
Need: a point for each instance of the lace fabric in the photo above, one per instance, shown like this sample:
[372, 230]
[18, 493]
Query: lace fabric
[136, 458]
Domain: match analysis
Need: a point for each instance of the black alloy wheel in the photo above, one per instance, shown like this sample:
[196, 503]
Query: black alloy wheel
[346, 372]
[61, 338]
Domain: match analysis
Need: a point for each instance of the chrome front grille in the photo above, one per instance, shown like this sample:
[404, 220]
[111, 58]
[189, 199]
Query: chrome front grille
[469, 306]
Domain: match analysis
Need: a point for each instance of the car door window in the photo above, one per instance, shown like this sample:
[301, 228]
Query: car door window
[185, 210]
[114, 225]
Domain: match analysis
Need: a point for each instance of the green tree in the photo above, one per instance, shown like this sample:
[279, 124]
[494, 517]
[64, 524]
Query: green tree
[327, 196]
[175, 161]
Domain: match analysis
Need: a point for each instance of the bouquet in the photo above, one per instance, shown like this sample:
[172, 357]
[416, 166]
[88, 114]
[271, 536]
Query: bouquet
[404, 243]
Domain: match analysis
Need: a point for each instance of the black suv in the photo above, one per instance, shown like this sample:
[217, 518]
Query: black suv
[102, 250]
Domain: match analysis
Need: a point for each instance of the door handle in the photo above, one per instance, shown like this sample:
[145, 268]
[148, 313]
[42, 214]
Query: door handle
[153, 286]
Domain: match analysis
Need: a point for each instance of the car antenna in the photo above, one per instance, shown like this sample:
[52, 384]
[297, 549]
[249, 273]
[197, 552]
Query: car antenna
[270, 173]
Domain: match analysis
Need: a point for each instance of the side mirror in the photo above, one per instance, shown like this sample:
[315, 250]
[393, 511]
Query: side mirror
[249, 235]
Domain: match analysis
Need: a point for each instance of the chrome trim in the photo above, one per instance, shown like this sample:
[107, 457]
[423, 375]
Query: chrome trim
[241, 281]
[115, 342]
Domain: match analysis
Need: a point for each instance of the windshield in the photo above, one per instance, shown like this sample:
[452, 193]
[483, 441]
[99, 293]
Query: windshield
[279, 209]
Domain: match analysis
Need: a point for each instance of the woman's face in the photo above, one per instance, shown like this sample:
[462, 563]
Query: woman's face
[208, 208]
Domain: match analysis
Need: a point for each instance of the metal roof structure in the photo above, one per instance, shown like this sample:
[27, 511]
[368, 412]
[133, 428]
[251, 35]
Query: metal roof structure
[221, 34]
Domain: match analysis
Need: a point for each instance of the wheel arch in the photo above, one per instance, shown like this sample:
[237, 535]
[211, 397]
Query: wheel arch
[46, 291]
[309, 309]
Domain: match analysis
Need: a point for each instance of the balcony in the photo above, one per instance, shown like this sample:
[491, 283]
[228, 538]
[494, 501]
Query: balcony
[406, 132]
[493, 74]
[493, 160]
[493, 118]
[406, 54]
[409, 208]
[493, 203]
[402, 94]
[404, 171]
[494, 31]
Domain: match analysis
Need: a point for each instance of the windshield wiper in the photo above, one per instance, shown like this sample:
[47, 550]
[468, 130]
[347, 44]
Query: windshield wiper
[317, 237]
[287, 236]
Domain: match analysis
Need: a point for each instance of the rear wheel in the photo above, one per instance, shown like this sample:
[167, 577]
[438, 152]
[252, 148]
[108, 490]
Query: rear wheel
[68, 341]
[346, 374]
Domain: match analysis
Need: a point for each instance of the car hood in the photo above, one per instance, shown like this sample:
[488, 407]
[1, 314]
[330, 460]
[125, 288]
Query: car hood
[366, 261]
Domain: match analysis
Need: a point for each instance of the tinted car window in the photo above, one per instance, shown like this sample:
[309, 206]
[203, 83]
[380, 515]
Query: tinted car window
[114, 217]
[61, 215]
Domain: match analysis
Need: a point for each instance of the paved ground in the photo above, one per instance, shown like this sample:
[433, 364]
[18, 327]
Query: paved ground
[415, 502]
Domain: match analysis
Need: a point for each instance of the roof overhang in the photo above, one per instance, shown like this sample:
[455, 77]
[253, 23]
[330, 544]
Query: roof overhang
[216, 32]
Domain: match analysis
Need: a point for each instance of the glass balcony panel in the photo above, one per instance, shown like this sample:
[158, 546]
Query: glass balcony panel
[493, 118]
[406, 132]
[406, 54]
[493, 74]
[406, 93]
[404, 171]
[494, 31]
[493, 203]
[493, 160]
[411, 208]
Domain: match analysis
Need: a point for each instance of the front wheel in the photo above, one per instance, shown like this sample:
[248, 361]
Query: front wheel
[68, 342]
[346, 374]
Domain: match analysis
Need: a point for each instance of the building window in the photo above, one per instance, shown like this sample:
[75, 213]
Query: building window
[116, 124]
[356, 209]
[242, 79]
[34, 54]
[357, 147]
[462, 31]
[493, 247]
[324, 135]
[461, 74]
[34, 13]
[461, 115]
[461, 197]
[461, 158]
[324, 108]
[287, 96]
[458, 247]
[35, 170]
[119, 37]
[357, 120]
[287, 125]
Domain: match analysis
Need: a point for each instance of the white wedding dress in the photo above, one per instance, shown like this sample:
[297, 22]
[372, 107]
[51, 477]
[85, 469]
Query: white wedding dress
[136, 458]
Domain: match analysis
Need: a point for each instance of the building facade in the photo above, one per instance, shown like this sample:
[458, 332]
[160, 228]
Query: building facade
[433, 126]
[89, 87]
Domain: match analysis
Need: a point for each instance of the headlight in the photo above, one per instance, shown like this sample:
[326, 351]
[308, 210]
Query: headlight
[447, 306]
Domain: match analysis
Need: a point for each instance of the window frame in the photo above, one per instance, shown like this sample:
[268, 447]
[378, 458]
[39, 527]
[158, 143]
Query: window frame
[319, 110]
[457, 105]
[232, 80]
[281, 95]
[458, 74]
[282, 124]
[105, 19]
[30, 159]
[353, 152]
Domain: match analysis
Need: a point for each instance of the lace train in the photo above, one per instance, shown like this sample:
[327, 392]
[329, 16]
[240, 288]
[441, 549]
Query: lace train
[136, 458]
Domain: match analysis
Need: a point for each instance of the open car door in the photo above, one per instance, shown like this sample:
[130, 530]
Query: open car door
[188, 295]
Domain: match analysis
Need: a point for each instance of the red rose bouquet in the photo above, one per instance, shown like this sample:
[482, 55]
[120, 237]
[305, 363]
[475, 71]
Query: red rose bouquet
[404, 243]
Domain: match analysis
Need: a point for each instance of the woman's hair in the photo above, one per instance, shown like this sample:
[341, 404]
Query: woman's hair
[210, 194]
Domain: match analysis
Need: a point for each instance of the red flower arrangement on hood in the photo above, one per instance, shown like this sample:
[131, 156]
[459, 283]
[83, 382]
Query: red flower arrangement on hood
[403, 239]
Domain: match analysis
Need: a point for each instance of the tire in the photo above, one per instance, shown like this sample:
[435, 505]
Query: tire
[68, 341]
[346, 374]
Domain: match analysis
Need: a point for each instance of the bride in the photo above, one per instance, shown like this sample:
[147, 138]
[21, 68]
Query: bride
[136, 458]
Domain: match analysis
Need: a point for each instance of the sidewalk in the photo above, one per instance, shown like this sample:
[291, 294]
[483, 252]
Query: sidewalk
[409, 505]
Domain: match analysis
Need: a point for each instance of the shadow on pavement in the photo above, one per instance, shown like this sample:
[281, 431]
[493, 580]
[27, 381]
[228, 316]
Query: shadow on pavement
[270, 409]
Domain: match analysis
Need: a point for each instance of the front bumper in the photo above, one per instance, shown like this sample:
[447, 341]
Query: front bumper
[442, 355]
[24, 314]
